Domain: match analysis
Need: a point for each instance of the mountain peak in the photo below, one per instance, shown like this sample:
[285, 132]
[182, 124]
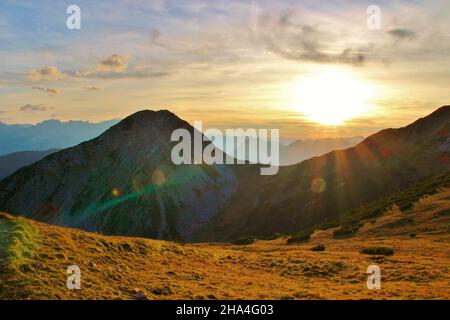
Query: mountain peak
[151, 114]
[438, 113]
[442, 112]
[123, 182]
[445, 108]
[149, 124]
[430, 123]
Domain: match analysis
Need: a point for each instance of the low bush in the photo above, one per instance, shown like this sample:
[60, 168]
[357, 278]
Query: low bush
[383, 251]
[300, 237]
[318, 247]
[244, 241]
[346, 231]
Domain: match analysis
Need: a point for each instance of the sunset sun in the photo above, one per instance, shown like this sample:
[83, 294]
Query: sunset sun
[332, 97]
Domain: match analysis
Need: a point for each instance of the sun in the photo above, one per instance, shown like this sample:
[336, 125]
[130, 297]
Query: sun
[332, 97]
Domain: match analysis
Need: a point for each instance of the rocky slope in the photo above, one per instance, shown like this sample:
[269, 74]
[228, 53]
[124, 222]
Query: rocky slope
[122, 182]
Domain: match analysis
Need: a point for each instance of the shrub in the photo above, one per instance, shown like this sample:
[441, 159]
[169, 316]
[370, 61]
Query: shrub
[244, 241]
[384, 251]
[270, 237]
[405, 206]
[318, 247]
[300, 237]
[346, 231]
[328, 224]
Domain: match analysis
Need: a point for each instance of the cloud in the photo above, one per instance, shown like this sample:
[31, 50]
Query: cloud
[135, 73]
[401, 34]
[113, 63]
[49, 73]
[35, 107]
[52, 92]
[93, 88]
[116, 67]
[305, 42]
[155, 34]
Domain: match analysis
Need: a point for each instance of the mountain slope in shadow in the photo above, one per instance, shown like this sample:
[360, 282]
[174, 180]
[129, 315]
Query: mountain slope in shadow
[320, 188]
[122, 183]
[12, 162]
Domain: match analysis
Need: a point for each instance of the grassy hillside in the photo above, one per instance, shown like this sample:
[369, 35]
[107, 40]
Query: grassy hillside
[35, 256]
[404, 201]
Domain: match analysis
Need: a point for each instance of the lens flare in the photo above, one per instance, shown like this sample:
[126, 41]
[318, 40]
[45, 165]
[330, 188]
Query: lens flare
[115, 192]
[158, 177]
[318, 185]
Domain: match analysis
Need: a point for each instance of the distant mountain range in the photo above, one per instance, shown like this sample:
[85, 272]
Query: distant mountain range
[300, 150]
[19, 141]
[12, 162]
[124, 182]
[50, 134]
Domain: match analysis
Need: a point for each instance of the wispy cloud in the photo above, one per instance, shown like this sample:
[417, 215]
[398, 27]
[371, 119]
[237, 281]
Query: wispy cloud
[93, 88]
[50, 91]
[401, 34]
[304, 42]
[49, 73]
[113, 63]
[35, 107]
[117, 67]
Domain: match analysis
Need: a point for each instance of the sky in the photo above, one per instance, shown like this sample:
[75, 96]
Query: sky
[310, 68]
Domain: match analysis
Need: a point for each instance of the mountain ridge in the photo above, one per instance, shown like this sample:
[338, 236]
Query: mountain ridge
[123, 182]
[323, 187]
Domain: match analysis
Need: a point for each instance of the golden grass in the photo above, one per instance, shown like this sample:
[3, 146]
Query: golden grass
[131, 268]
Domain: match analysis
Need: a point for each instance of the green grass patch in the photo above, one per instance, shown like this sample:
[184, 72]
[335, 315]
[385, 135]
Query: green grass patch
[18, 241]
